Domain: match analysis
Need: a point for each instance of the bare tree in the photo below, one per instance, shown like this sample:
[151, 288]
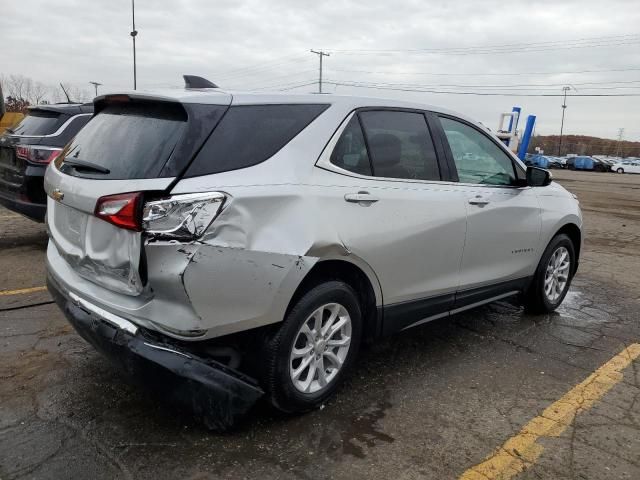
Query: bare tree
[38, 94]
[27, 91]
[24, 89]
[76, 94]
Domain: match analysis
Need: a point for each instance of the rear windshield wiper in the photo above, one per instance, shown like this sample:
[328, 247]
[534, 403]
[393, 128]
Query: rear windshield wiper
[84, 165]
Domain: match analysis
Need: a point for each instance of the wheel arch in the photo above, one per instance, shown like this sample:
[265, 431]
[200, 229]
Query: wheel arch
[364, 283]
[574, 233]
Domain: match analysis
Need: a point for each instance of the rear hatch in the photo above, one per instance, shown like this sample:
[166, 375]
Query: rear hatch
[32, 129]
[132, 151]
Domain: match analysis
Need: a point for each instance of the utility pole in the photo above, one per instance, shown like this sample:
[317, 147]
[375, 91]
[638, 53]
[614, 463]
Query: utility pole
[564, 107]
[620, 136]
[96, 85]
[133, 34]
[320, 54]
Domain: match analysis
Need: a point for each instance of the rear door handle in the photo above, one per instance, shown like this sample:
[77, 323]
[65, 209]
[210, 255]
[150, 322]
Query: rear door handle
[361, 197]
[478, 200]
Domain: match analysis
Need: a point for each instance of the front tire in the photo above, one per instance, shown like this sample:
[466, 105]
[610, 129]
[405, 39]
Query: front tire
[620, 170]
[553, 276]
[314, 348]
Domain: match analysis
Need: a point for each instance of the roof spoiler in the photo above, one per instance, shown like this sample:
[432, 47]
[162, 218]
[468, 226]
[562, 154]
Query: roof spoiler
[193, 81]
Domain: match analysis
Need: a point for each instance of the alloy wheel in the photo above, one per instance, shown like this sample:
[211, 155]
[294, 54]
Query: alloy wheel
[320, 348]
[557, 274]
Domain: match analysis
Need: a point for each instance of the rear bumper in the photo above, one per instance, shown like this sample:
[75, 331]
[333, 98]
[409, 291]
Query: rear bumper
[35, 211]
[215, 393]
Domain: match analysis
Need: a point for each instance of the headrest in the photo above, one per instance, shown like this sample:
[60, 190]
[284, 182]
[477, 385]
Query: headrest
[386, 149]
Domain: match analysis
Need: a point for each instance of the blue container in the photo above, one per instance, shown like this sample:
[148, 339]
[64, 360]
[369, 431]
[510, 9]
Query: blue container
[583, 163]
[537, 161]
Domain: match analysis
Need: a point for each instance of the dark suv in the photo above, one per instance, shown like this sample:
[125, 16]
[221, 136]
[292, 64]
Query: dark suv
[27, 149]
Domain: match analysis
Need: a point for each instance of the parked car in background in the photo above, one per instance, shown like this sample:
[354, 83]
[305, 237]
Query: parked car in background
[227, 246]
[556, 162]
[626, 166]
[27, 149]
[583, 162]
[543, 161]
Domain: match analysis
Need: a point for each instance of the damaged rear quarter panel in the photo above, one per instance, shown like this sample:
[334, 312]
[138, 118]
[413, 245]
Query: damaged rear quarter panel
[253, 257]
[233, 289]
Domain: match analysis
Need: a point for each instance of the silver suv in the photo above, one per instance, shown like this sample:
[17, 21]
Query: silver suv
[223, 247]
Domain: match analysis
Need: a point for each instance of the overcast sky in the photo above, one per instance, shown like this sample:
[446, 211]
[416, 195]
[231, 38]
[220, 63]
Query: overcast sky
[465, 45]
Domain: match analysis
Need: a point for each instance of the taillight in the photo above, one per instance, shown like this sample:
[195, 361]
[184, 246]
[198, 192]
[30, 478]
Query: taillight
[123, 210]
[37, 154]
[182, 217]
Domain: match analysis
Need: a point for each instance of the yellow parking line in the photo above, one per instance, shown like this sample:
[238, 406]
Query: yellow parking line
[21, 291]
[521, 451]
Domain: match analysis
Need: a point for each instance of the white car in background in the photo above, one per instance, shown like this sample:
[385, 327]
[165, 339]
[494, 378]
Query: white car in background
[628, 166]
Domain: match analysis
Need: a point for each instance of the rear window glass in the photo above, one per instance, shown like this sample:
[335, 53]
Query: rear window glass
[250, 134]
[132, 140]
[38, 123]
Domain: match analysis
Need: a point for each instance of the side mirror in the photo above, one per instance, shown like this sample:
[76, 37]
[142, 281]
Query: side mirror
[538, 177]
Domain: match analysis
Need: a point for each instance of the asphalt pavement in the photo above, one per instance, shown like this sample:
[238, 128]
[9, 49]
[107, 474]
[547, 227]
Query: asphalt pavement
[490, 393]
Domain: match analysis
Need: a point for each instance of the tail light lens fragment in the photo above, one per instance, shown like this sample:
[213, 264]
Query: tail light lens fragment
[182, 217]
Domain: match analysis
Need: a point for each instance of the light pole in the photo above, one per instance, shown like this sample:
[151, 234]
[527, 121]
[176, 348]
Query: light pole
[133, 34]
[96, 85]
[564, 107]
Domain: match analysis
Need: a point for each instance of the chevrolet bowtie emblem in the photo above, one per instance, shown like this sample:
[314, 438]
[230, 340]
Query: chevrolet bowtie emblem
[57, 194]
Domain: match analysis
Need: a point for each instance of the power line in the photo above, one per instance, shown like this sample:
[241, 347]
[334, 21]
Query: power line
[298, 86]
[498, 94]
[508, 48]
[260, 67]
[514, 85]
[257, 83]
[504, 45]
[498, 51]
[493, 74]
[292, 85]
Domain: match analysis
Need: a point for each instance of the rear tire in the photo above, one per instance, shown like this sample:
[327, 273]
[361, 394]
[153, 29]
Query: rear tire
[553, 276]
[620, 170]
[304, 362]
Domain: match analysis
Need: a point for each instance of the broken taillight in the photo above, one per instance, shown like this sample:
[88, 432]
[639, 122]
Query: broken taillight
[182, 217]
[179, 217]
[123, 210]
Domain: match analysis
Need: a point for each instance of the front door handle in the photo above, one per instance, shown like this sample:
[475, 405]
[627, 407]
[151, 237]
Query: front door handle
[364, 198]
[478, 200]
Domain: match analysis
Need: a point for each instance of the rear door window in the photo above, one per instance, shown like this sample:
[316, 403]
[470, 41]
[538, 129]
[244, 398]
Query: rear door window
[130, 140]
[40, 122]
[400, 145]
[350, 153]
[250, 134]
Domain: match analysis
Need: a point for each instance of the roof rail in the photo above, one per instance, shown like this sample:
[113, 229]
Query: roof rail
[193, 81]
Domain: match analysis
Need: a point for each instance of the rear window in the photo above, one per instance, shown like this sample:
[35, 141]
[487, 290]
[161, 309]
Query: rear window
[40, 122]
[130, 140]
[250, 134]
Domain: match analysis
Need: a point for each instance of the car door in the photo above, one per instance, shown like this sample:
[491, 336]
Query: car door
[503, 216]
[634, 167]
[382, 181]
